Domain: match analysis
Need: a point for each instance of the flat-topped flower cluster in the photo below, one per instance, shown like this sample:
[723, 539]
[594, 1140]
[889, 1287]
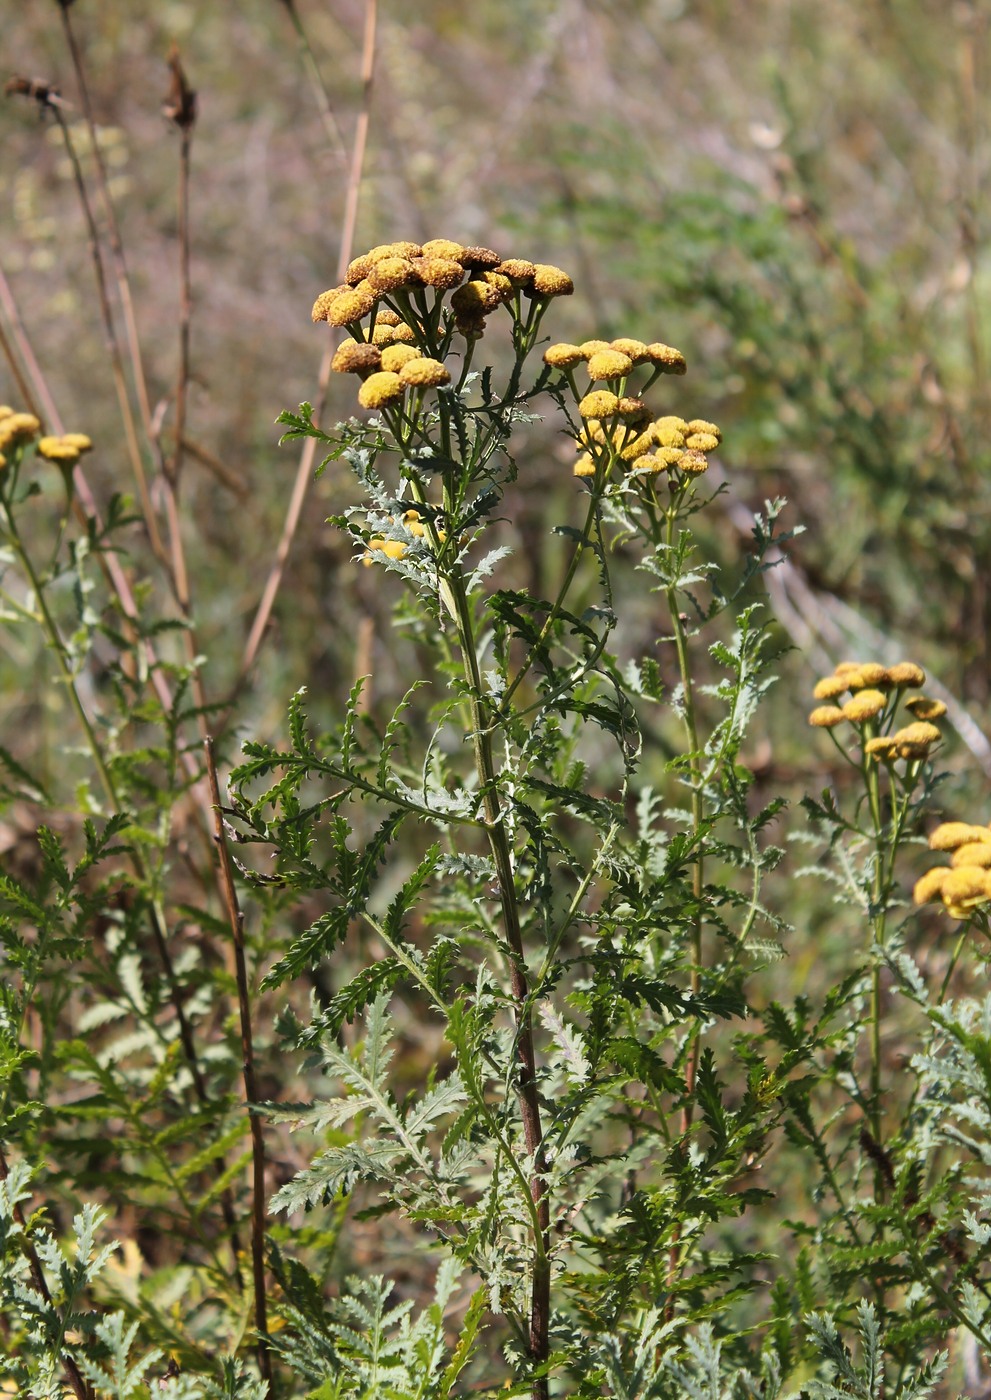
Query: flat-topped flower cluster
[963, 886]
[875, 691]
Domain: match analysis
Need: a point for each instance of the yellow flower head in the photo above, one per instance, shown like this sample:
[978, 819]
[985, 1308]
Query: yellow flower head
[906, 673]
[700, 425]
[844, 667]
[56, 449]
[884, 746]
[520, 272]
[670, 431]
[443, 248]
[585, 465]
[358, 270]
[438, 272]
[476, 257]
[636, 446]
[667, 358]
[592, 347]
[636, 349]
[355, 357]
[3, 461]
[324, 302]
[915, 740]
[391, 274]
[609, 364]
[5, 410]
[392, 549]
[649, 463]
[80, 441]
[869, 674]
[702, 442]
[829, 687]
[381, 389]
[499, 283]
[349, 307]
[475, 298]
[693, 463]
[562, 355]
[973, 853]
[924, 708]
[929, 887]
[949, 835]
[826, 716]
[600, 403]
[424, 373]
[550, 281]
[966, 886]
[864, 705]
[17, 428]
[385, 317]
[395, 356]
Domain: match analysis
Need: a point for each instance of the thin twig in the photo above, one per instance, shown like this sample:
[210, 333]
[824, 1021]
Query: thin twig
[304, 472]
[236, 919]
[73, 1374]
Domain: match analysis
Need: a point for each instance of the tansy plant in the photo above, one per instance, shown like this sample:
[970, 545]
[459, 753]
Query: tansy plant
[488, 987]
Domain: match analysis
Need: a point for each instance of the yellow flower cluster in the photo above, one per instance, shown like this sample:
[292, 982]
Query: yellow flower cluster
[479, 281]
[16, 429]
[965, 884]
[620, 428]
[396, 549]
[874, 693]
[65, 449]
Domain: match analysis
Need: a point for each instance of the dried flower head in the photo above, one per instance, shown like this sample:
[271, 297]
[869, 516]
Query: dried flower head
[474, 299]
[924, 708]
[550, 281]
[667, 358]
[865, 705]
[356, 357]
[324, 302]
[693, 463]
[826, 716]
[476, 257]
[520, 272]
[609, 364]
[424, 373]
[380, 389]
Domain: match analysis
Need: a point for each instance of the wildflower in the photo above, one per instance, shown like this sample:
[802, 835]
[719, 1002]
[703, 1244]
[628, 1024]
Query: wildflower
[883, 746]
[499, 283]
[349, 307]
[844, 667]
[381, 389]
[609, 364]
[915, 740]
[424, 373]
[636, 349]
[384, 334]
[906, 673]
[592, 347]
[702, 442]
[474, 299]
[864, 705]
[443, 248]
[585, 465]
[396, 355]
[650, 463]
[826, 716]
[550, 281]
[412, 522]
[392, 274]
[829, 687]
[929, 887]
[358, 270]
[700, 425]
[65, 449]
[949, 835]
[324, 302]
[870, 674]
[669, 456]
[562, 355]
[392, 549]
[924, 708]
[5, 410]
[973, 853]
[520, 272]
[634, 447]
[633, 410]
[670, 431]
[670, 360]
[479, 257]
[438, 272]
[17, 428]
[693, 463]
[965, 886]
[600, 403]
[355, 356]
